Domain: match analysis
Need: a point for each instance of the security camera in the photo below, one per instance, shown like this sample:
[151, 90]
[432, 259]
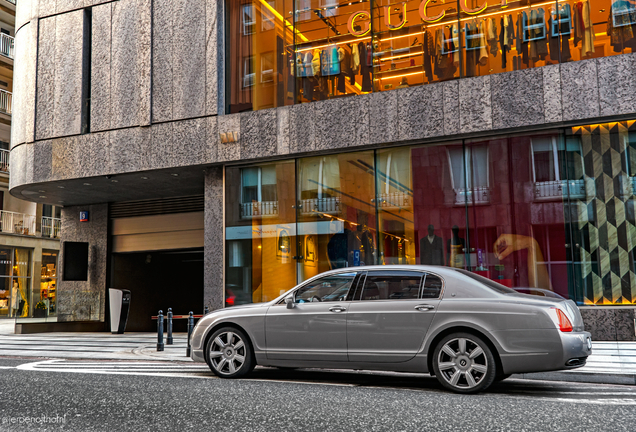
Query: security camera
[109, 177]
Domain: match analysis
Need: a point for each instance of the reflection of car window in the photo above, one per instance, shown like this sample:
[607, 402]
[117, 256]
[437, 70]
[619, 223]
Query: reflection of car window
[385, 285]
[326, 289]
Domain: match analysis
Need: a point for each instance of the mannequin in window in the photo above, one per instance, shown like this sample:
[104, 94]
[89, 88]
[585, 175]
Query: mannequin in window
[455, 248]
[431, 248]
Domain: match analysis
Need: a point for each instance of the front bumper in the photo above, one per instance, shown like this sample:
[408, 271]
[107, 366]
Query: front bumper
[576, 345]
[197, 356]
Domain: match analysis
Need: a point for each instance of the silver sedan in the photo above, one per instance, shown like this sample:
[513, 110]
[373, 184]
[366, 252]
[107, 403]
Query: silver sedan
[463, 328]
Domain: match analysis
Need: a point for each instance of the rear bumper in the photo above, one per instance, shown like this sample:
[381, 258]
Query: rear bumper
[577, 347]
[557, 351]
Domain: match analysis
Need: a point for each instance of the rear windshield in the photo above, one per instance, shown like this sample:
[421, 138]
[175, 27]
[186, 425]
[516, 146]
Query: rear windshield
[497, 287]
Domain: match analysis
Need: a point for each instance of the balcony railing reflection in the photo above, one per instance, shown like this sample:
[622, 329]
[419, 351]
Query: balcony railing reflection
[559, 189]
[477, 195]
[6, 45]
[394, 200]
[4, 160]
[5, 101]
[17, 223]
[259, 209]
[51, 227]
[330, 205]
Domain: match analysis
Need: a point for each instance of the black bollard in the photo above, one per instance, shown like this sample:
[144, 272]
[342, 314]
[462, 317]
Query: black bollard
[190, 328]
[160, 331]
[169, 341]
[206, 311]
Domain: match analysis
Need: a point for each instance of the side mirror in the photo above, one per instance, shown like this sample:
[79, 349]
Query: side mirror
[289, 301]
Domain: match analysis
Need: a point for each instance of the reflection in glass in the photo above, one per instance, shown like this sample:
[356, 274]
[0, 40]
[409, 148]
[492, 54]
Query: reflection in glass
[258, 70]
[336, 212]
[547, 212]
[260, 232]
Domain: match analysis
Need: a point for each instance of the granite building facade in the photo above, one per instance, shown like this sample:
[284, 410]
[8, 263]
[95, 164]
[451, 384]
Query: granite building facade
[270, 141]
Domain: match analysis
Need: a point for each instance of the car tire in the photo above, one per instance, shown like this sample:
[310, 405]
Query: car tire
[229, 353]
[464, 363]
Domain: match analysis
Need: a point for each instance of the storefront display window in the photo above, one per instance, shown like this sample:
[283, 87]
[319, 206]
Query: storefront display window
[15, 282]
[45, 300]
[549, 211]
[329, 49]
[259, 69]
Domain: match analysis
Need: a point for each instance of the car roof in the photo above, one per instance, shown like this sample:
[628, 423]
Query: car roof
[388, 267]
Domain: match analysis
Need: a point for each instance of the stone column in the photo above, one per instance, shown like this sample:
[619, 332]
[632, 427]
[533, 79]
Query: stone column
[214, 247]
[84, 300]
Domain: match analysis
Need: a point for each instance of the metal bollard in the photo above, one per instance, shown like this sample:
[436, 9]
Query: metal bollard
[206, 311]
[190, 328]
[169, 341]
[160, 331]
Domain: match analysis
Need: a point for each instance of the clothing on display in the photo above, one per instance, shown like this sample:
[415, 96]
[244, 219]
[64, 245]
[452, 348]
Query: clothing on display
[620, 25]
[583, 28]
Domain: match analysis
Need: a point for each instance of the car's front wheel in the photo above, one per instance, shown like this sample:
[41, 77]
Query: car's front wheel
[464, 363]
[229, 353]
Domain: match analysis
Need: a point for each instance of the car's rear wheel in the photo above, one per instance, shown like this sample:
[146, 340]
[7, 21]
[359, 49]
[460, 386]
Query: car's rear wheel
[463, 363]
[229, 353]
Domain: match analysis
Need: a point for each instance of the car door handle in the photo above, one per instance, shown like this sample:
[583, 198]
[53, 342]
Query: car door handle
[424, 307]
[337, 309]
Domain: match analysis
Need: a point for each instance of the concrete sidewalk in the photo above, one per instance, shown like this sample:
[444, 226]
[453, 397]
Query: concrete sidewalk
[610, 363]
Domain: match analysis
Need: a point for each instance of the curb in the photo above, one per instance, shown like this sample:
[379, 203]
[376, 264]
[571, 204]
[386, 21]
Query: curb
[582, 377]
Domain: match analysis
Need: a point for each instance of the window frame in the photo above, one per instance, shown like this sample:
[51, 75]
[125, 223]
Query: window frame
[424, 273]
[247, 25]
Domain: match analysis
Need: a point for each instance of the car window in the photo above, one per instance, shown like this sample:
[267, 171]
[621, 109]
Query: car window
[326, 289]
[387, 285]
[432, 286]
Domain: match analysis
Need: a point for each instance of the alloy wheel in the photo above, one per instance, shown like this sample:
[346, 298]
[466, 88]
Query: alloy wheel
[227, 353]
[462, 363]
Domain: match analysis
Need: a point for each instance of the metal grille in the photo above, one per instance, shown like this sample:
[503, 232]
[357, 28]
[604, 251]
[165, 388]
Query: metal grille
[194, 203]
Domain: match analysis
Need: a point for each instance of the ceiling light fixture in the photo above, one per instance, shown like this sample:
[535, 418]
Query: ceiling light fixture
[175, 175]
[61, 187]
[42, 196]
[87, 184]
[114, 181]
[144, 178]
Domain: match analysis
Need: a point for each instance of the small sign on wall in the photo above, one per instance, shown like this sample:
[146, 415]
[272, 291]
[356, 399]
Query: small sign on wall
[83, 216]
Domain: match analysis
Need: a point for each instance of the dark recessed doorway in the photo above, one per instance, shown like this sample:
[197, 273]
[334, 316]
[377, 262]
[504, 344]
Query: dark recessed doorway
[160, 280]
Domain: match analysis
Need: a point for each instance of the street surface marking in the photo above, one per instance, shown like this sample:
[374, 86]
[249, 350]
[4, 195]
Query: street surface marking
[200, 371]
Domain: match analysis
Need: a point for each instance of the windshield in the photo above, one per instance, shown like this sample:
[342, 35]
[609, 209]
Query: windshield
[497, 287]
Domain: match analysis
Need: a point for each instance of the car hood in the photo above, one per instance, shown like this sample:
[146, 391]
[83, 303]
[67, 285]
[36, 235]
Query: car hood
[238, 307]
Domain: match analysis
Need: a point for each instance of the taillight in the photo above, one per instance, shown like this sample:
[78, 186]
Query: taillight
[562, 320]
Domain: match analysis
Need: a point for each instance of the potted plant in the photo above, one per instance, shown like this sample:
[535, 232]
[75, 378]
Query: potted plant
[40, 310]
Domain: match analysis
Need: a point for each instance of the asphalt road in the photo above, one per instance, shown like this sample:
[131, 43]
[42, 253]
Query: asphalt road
[74, 395]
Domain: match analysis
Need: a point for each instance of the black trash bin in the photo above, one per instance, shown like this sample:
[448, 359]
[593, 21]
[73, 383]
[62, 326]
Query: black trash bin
[119, 307]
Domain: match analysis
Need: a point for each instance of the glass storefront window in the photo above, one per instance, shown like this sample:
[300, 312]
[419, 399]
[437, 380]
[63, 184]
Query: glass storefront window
[546, 212]
[15, 282]
[329, 49]
[260, 232]
[45, 304]
[259, 67]
[336, 212]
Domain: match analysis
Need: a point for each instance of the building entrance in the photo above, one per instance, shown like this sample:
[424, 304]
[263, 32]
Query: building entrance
[159, 280]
